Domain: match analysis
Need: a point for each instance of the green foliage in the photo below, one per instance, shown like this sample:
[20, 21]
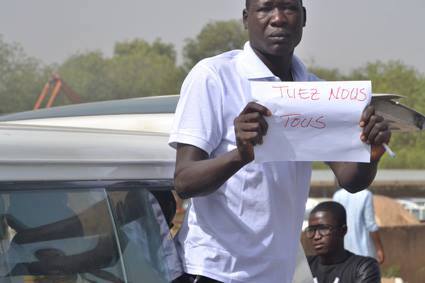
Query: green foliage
[397, 78]
[145, 69]
[318, 165]
[139, 68]
[394, 78]
[136, 69]
[21, 79]
[391, 271]
[139, 46]
[89, 76]
[327, 74]
[214, 38]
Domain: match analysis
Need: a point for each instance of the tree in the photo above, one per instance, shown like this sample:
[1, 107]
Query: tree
[88, 74]
[143, 69]
[327, 74]
[141, 46]
[137, 68]
[395, 77]
[214, 38]
[21, 80]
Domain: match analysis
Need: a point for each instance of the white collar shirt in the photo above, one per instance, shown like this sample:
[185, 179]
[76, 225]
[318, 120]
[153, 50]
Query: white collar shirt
[248, 230]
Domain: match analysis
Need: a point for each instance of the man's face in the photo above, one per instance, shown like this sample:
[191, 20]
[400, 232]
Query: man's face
[274, 26]
[326, 235]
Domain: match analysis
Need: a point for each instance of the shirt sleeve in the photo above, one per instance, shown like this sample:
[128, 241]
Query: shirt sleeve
[368, 271]
[369, 214]
[337, 196]
[198, 119]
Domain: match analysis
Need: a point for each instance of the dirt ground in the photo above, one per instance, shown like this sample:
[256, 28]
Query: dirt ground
[389, 212]
[391, 280]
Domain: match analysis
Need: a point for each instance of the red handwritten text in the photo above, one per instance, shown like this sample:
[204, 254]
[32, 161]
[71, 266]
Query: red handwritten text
[303, 121]
[298, 93]
[358, 94]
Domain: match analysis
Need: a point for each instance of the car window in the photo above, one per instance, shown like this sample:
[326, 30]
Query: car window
[143, 219]
[84, 235]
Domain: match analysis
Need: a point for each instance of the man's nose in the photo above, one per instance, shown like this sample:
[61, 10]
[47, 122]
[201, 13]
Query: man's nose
[278, 17]
[317, 235]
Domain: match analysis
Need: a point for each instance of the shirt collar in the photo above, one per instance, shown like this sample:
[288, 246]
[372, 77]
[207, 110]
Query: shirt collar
[255, 69]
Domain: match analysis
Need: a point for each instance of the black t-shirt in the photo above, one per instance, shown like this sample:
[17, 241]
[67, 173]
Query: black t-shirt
[354, 269]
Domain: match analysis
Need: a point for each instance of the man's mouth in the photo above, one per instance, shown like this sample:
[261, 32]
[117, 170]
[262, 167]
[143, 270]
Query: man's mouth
[279, 35]
[318, 246]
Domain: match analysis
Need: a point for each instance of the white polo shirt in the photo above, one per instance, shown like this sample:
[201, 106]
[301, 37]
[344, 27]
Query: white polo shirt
[249, 229]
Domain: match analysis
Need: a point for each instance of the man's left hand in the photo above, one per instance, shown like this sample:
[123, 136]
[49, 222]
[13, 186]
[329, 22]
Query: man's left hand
[380, 256]
[376, 131]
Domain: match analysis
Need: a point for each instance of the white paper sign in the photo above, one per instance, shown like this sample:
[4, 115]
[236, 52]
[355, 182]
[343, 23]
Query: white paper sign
[313, 121]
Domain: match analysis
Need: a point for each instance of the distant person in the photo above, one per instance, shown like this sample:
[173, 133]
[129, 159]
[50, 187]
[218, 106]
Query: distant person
[332, 263]
[363, 234]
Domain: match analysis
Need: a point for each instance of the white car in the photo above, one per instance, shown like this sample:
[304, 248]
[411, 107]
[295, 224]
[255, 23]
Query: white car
[85, 191]
[85, 195]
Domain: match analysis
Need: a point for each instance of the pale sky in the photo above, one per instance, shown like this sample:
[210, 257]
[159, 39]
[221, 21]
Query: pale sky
[340, 34]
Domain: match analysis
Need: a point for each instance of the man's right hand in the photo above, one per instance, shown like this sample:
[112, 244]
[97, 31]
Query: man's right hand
[197, 174]
[250, 128]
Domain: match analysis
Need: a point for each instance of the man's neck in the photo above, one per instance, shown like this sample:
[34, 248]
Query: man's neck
[338, 256]
[280, 66]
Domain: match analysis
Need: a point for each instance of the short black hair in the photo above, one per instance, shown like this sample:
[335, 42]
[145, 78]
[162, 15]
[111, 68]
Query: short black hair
[334, 208]
[248, 2]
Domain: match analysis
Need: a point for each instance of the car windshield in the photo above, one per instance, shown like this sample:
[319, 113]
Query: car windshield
[87, 235]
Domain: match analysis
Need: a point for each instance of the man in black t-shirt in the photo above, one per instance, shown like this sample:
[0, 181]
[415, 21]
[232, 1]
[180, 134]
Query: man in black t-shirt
[332, 263]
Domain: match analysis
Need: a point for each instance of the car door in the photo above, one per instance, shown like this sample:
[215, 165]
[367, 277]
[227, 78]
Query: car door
[89, 231]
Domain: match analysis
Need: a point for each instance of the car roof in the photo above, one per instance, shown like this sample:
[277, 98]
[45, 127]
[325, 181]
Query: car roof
[29, 153]
[109, 140]
[88, 123]
[147, 114]
[141, 105]
[400, 117]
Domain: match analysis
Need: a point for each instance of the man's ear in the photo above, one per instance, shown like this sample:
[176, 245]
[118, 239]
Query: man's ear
[344, 230]
[305, 16]
[245, 18]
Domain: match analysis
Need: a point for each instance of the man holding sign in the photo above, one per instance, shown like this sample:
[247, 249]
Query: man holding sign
[245, 217]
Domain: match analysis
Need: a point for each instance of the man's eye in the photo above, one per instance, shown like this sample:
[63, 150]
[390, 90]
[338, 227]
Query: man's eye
[264, 9]
[291, 9]
[325, 230]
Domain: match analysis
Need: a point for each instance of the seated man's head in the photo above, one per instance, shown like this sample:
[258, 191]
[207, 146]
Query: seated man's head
[327, 226]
